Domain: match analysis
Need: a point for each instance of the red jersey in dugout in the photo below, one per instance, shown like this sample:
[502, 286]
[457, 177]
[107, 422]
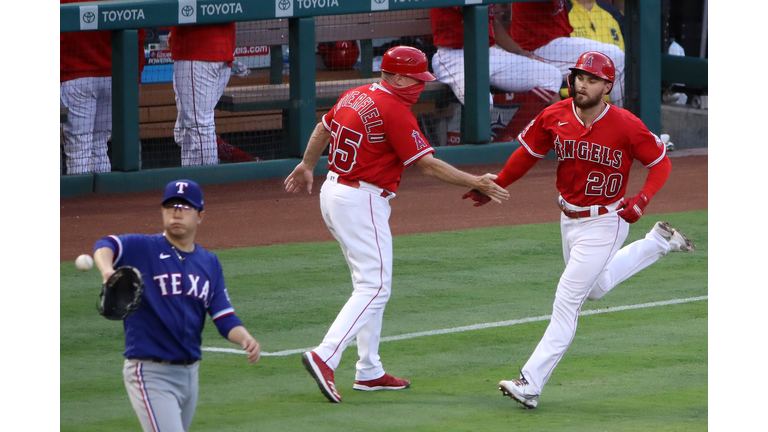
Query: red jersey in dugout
[374, 137]
[593, 163]
[89, 53]
[448, 26]
[204, 42]
[535, 24]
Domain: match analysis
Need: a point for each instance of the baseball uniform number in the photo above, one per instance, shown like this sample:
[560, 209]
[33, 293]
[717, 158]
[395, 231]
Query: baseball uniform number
[598, 185]
[344, 145]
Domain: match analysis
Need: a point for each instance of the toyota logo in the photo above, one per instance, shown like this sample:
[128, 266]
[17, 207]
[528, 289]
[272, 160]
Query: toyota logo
[187, 10]
[89, 17]
[379, 1]
[284, 4]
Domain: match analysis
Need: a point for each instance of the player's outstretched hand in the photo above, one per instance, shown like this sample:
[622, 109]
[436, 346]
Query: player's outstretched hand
[300, 177]
[631, 210]
[478, 197]
[252, 347]
[486, 185]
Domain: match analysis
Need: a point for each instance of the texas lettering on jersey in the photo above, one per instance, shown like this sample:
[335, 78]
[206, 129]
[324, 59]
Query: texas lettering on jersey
[172, 284]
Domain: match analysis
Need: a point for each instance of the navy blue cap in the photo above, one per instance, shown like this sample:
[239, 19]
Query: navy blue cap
[187, 190]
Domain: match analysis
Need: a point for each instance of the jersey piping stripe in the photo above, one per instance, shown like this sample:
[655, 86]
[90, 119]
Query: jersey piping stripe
[380, 87]
[522, 141]
[605, 111]
[418, 156]
[602, 114]
[143, 389]
[228, 311]
[578, 311]
[663, 153]
[456, 87]
[119, 248]
[381, 280]
[573, 107]
[328, 128]
[194, 110]
[544, 94]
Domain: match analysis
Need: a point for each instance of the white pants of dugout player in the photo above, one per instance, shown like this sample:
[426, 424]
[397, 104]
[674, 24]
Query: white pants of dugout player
[359, 220]
[594, 265]
[198, 86]
[164, 396]
[509, 72]
[564, 52]
[89, 123]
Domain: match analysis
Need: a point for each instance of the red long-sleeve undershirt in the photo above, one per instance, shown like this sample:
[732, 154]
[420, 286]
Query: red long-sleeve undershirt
[521, 161]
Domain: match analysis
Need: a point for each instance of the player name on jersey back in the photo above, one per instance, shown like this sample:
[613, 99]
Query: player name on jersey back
[370, 117]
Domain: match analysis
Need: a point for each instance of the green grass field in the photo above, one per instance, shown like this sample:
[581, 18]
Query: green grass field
[642, 369]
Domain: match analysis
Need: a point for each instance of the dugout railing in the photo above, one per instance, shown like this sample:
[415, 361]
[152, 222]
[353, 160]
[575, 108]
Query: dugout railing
[124, 18]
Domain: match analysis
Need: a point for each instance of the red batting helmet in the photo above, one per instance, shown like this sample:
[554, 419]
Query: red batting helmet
[595, 63]
[408, 61]
[339, 55]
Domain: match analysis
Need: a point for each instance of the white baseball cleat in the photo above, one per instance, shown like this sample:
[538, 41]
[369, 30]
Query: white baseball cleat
[678, 242]
[519, 390]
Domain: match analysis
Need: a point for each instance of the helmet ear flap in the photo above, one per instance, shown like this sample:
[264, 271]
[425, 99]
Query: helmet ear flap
[571, 83]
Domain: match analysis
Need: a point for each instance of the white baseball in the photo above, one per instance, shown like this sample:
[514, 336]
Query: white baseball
[84, 262]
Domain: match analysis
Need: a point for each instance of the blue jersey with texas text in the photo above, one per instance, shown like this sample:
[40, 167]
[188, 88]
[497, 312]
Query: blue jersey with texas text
[179, 289]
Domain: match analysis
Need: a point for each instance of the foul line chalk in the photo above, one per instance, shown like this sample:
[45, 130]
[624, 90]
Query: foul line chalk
[475, 326]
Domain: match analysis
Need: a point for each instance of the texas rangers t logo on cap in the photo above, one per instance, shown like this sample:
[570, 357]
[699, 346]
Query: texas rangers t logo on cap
[187, 190]
[181, 186]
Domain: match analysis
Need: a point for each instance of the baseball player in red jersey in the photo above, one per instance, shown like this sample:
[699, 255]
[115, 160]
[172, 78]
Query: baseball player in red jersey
[86, 90]
[202, 58]
[512, 68]
[543, 27]
[373, 136]
[595, 144]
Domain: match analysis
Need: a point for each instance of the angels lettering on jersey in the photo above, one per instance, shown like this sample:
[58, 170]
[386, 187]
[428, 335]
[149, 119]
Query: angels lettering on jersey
[593, 161]
[592, 152]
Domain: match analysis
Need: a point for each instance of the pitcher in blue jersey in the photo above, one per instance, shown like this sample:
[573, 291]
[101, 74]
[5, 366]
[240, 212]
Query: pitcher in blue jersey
[182, 282]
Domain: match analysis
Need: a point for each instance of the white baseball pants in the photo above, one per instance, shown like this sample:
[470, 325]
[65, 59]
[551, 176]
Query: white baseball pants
[163, 396]
[509, 72]
[359, 220]
[89, 123]
[594, 266]
[198, 86]
[564, 52]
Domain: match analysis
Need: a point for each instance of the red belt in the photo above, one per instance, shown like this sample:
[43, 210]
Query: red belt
[573, 214]
[356, 184]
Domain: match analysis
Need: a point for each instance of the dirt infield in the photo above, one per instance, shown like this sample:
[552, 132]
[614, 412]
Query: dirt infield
[260, 212]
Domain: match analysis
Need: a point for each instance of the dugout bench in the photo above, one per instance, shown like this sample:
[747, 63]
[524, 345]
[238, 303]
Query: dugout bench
[270, 103]
[261, 101]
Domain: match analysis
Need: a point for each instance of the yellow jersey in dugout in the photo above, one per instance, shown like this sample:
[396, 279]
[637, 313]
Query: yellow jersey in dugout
[603, 23]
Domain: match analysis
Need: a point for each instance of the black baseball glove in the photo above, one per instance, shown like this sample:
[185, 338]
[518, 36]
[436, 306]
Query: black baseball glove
[121, 294]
